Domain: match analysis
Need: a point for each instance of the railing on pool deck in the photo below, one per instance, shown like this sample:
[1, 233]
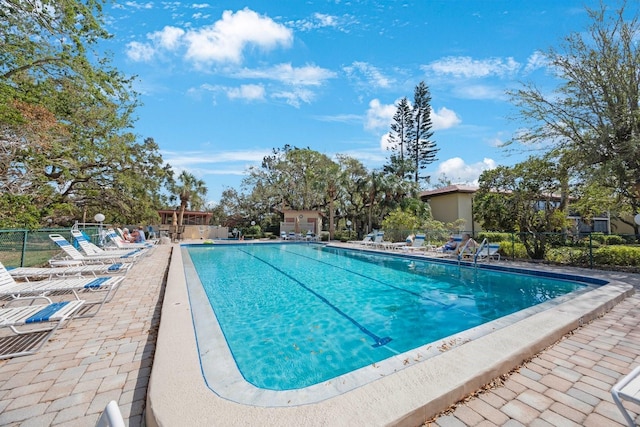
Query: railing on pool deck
[484, 244]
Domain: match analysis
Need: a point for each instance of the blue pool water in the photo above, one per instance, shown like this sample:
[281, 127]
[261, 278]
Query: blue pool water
[294, 315]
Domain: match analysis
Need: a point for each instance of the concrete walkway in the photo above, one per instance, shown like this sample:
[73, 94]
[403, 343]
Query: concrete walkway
[109, 356]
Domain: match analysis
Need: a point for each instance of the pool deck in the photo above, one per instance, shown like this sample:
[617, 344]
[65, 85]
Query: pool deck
[110, 356]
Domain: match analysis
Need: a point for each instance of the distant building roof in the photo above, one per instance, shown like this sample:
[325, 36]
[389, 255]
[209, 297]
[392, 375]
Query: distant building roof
[449, 189]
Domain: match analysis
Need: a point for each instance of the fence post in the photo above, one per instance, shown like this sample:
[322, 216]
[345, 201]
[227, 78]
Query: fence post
[590, 251]
[24, 248]
[513, 246]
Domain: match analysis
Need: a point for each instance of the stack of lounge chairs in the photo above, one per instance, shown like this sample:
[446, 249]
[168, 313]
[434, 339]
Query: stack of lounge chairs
[71, 256]
[37, 301]
[29, 316]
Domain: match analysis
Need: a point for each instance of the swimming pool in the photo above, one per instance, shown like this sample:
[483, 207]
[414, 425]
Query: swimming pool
[195, 380]
[297, 315]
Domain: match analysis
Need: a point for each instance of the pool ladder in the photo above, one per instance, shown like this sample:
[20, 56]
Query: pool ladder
[475, 255]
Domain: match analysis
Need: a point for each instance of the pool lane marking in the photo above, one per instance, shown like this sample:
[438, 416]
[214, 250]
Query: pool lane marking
[378, 340]
[373, 279]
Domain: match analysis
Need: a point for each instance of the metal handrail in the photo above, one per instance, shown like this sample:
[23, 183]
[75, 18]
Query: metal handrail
[480, 248]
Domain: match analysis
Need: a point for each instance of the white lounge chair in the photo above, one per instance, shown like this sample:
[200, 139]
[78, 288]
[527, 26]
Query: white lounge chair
[378, 240]
[72, 254]
[106, 285]
[365, 240]
[417, 244]
[628, 388]
[488, 252]
[408, 242]
[24, 322]
[120, 243]
[443, 251]
[93, 270]
[90, 249]
[483, 252]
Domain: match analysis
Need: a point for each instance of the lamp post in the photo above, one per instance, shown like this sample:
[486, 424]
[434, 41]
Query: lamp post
[99, 218]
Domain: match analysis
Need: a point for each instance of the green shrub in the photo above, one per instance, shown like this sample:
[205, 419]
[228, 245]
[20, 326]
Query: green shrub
[345, 235]
[509, 249]
[556, 240]
[613, 239]
[568, 255]
[585, 242]
[617, 255]
[494, 236]
[254, 231]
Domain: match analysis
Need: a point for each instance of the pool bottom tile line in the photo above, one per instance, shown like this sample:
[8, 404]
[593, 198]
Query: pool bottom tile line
[379, 341]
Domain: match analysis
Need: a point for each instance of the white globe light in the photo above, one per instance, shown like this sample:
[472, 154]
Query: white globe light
[99, 217]
[637, 219]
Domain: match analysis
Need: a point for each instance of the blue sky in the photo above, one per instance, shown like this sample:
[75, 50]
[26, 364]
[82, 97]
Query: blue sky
[223, 83]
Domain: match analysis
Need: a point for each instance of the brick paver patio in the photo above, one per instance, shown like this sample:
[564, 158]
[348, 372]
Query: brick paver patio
[92, 361]
[569, 384]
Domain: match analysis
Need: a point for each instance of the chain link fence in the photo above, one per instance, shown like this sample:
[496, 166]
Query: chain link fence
[592, 250]
[29, 248]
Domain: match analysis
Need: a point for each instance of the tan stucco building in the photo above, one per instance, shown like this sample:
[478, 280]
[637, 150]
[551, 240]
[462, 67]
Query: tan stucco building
[451, 203]
[301, 221]
[456, 202]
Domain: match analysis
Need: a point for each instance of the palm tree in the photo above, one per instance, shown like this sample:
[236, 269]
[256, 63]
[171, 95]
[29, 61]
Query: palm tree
[191, 192]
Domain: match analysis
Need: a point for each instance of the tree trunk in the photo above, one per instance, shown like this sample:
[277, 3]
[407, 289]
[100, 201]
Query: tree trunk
[183, 207]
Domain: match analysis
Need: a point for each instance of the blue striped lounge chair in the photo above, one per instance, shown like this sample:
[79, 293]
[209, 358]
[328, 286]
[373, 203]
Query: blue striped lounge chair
[71, 253]
[104, 287]
[26, 328]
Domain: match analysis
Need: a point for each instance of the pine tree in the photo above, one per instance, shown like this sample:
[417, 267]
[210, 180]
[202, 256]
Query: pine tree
[420, 148]
[398, 140]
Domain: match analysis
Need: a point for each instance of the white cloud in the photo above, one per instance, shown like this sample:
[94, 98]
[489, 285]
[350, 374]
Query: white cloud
[378, 115]
[326, 20]
[295, 97]
[137, 5]
[444, 118]
[341, 118]
[467, 67]
[367, 75]
[168, 38]
[247, 92]
[384, 142]
[226, 40]
[322, 20]
[459, 172]
[309, 75]
[200, 5]
[479, 92]
[536, 61]
[140, 52]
